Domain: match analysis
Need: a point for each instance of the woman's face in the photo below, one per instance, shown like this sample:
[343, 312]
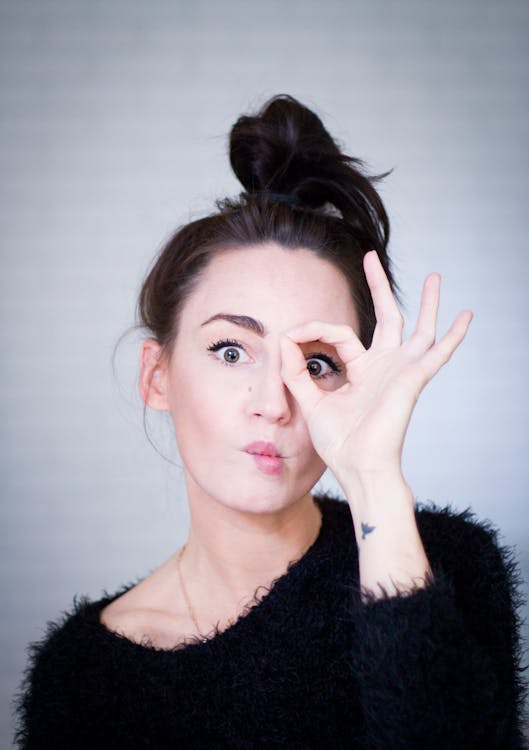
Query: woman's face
[223, 383]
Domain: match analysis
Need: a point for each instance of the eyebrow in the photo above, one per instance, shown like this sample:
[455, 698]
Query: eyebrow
[245, 321]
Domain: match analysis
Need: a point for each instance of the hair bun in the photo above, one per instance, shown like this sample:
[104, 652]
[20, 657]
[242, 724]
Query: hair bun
[280, 147]
[285, 148]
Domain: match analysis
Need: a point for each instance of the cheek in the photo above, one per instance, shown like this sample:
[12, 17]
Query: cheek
[194, 407]
[206, 405]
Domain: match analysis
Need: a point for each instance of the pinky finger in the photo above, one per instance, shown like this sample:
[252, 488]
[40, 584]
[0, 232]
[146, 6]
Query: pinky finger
[439, 354]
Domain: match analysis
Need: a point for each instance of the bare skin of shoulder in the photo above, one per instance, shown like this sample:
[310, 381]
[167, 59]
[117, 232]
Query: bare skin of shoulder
[153, 610]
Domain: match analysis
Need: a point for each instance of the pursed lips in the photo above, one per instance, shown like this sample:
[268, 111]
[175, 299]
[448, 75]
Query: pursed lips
[262, 448]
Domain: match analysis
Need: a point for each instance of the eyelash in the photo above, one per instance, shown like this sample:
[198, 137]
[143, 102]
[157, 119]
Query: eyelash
[335, 367]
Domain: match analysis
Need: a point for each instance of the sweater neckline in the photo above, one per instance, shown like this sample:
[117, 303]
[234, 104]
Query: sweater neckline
[321, 552]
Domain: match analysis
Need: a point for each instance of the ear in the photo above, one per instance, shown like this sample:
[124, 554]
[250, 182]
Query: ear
[153, 376]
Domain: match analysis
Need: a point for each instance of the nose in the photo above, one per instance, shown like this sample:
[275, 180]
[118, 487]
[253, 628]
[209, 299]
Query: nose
[268, 395]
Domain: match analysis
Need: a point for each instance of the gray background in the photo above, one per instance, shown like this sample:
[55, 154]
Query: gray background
[113, 132]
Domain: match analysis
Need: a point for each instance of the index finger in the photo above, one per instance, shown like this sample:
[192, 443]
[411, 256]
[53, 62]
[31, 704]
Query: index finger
[340, 335]
[388, 330]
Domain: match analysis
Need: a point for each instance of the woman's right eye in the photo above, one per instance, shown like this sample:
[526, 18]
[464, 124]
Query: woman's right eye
[231, 356]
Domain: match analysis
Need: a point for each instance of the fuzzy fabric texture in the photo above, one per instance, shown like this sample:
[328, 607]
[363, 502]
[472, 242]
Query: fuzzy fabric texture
[309, 665]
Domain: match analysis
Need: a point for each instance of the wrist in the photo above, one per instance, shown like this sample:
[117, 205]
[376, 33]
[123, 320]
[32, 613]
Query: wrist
[390, 549]
[377, 490]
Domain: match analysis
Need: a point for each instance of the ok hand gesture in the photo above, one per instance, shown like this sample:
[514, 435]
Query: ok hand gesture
[360, 427]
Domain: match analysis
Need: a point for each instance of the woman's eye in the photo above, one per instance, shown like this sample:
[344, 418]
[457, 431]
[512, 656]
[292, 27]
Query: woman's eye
[231, 355]
[315, 368]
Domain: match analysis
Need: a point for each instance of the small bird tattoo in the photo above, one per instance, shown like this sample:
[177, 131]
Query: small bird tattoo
[366, 529]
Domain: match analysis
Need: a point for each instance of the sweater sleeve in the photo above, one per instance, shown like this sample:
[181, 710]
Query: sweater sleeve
[439, 668]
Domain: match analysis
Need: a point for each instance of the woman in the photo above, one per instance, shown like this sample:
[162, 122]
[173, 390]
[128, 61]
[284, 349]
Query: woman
[291, 619]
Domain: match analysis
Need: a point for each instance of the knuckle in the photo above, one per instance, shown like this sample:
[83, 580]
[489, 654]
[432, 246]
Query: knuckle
[424, 337]
[393, 318]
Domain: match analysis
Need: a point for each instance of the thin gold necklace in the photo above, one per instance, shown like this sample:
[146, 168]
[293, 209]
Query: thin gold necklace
[186, 596]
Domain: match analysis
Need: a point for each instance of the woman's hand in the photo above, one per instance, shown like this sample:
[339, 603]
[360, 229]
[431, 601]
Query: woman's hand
[359, 428]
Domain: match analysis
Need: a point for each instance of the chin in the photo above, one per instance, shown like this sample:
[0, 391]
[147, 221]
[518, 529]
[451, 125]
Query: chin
[256, 493]
[264, 500]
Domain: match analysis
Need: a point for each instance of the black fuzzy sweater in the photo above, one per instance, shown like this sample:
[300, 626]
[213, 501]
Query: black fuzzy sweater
[309, 665]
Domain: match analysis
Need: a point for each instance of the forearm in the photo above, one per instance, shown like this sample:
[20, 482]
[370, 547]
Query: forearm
[390, 550]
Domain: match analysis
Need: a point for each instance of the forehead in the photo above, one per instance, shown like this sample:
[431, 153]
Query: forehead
[281, 287]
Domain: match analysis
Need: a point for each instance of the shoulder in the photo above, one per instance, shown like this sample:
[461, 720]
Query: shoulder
[63, 630]
[81, 631]
[72, 665]
[470, 552]
[70, 634]
[65, 637]
[460, 535]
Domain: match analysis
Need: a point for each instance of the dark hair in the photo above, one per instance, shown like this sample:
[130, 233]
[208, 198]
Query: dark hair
[332, 208]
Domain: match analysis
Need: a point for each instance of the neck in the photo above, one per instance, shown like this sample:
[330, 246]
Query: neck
[229, 553]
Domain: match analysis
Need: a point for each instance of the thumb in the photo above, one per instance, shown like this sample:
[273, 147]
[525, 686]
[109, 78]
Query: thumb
[296, 376]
